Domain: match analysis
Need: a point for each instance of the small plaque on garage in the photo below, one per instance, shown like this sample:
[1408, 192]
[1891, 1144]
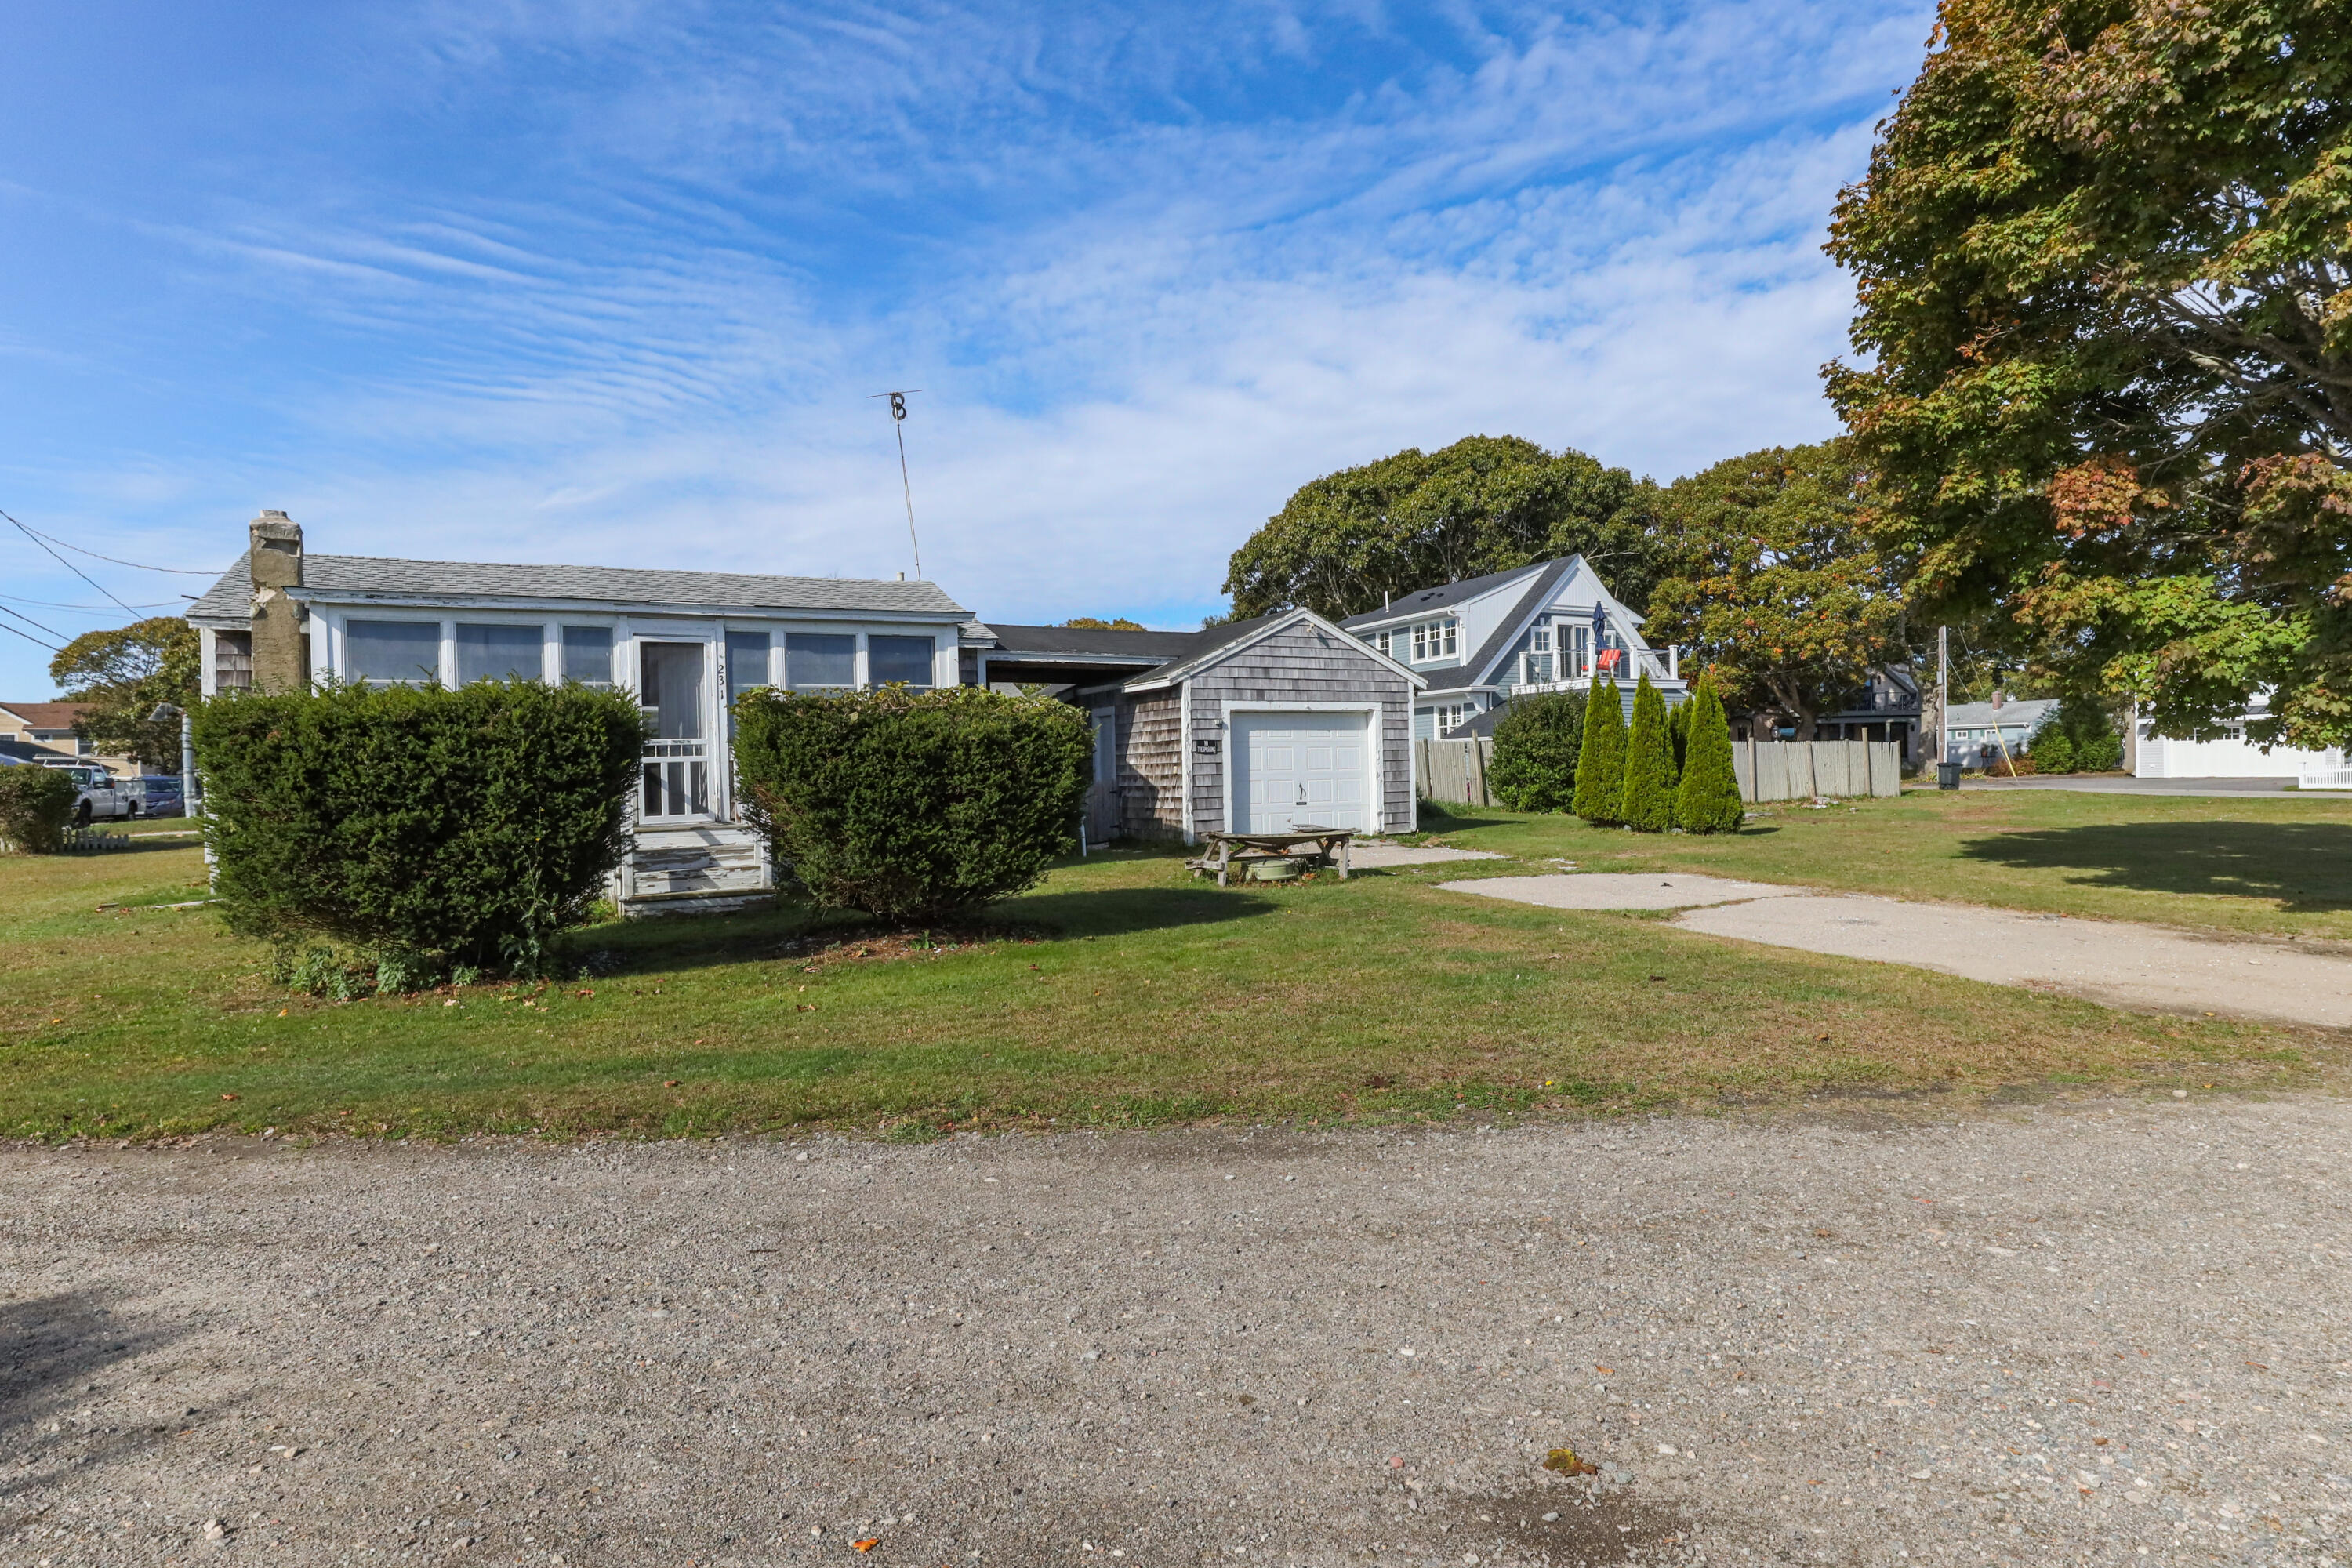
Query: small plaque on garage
[1208, 748]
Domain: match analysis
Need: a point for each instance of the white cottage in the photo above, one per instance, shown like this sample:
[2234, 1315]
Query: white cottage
[1552, 625]
[686, 642]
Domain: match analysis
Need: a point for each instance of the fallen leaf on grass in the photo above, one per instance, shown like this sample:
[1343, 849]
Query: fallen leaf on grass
[228, 1097]
[670, 1083]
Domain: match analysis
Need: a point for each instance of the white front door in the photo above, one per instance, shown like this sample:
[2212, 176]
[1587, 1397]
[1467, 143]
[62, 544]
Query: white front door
[1301, 769]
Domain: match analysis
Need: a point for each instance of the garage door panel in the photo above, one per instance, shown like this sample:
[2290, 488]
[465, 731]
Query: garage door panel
[1301, 767]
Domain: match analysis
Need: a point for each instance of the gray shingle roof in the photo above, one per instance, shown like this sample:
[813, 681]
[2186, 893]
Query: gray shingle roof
[462, 580]
[1428, 599]
[1097, 642]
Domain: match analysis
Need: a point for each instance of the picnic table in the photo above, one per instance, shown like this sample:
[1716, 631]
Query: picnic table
[1227, 850]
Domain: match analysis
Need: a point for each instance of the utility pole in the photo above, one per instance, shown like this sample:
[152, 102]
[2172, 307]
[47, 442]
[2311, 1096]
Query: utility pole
[1943, 693]
[899, 424]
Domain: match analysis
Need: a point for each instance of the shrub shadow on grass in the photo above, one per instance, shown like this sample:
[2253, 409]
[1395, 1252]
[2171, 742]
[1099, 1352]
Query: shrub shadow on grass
[1118, 911]
[2303, 864]
[696, 941]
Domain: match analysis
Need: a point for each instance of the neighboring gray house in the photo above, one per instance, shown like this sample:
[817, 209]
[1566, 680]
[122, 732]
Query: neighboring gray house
[1975, 732]
[1254, 726]
[686, 642]
[1548, 627]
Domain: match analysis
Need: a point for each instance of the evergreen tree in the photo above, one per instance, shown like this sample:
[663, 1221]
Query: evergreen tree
[1600, 760]
[1677, 740]
[1649, 799]
[1707, 799]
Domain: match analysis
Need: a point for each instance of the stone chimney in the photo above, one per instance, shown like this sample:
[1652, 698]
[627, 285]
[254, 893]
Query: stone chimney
[280, 658]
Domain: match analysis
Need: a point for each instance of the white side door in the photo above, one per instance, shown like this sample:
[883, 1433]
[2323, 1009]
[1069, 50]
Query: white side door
[1301, 769]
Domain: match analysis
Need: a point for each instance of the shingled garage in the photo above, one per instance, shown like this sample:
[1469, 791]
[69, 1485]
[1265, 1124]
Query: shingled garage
[1254, 726]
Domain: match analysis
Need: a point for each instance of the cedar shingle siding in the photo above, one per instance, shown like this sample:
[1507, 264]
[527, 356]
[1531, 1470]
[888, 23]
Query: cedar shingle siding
[1152, 765]
[1305, 665]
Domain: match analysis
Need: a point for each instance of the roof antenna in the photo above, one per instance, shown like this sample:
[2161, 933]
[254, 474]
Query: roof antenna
[899, 424]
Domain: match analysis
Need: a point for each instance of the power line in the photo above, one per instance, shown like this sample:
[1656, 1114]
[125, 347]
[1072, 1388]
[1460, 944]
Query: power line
[53, 604]
[30, 638]
[68, 565]
[28, 620]
[134, 565]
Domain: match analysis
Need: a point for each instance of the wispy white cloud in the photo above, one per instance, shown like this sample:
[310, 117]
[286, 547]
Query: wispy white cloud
[1153, 271]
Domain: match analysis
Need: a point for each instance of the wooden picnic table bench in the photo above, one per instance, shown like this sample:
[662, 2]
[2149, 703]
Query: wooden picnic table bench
[1227, 850]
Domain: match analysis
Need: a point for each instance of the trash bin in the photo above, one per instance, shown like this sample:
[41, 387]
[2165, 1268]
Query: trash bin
[1947, 776]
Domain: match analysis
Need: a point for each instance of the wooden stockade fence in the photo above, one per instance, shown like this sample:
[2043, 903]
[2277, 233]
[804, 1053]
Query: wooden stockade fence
[1768, 770]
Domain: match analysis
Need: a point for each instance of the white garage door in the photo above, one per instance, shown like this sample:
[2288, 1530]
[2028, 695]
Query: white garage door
[1302, 769]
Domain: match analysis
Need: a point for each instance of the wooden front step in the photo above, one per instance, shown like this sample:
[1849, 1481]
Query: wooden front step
[695, 870]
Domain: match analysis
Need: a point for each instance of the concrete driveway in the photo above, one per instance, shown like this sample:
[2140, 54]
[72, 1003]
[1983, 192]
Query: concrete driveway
[2107, 785]
[2110, 1335]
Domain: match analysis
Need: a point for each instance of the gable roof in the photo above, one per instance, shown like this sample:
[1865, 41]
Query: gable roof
[1424, 600]
[1215, 641]
[229, 600]
[47, 715]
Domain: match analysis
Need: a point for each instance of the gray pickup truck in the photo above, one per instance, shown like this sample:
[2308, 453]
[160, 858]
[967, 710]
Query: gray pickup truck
[104, 798]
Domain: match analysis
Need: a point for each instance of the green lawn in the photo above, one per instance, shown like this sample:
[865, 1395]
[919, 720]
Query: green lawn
[2275, 866]
[1121, 992]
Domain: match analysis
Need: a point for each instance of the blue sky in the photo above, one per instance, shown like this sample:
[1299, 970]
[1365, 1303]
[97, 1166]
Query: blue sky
[603, 281]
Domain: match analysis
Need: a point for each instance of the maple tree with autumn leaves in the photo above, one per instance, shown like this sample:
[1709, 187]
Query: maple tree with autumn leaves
[2104, 253]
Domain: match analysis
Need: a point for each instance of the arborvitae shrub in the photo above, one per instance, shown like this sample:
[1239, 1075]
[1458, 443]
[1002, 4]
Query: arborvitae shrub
[1600, 759]
[463, 827]
[35, 804]
[911, 805]
[1649, 801]
[1679, 736]
[1708, 798]
[1536, 743]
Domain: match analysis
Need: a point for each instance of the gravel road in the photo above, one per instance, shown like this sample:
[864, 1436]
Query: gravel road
[2110, 1334]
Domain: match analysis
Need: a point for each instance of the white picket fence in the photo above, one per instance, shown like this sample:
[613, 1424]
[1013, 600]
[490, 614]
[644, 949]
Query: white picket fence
[1768, 770]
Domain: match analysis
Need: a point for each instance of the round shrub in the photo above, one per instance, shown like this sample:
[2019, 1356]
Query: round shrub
[464, 827]
[913, 805]
[35, 804]
[2053, 752]
[1535, 742]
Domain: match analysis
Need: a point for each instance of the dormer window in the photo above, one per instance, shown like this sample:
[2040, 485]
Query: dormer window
[1436, 639]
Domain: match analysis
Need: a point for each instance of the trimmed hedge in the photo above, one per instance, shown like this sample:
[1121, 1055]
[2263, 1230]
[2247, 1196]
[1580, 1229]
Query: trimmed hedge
[1600, 761]
[912, 806]
[35, 804]
[1536, 743]
[1708, 798]
[1649, 799]
[429, 826]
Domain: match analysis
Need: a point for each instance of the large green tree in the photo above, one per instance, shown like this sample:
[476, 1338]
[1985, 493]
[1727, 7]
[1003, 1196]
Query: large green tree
[1350, 541]
[2104, 253]
[1770, 581]
[124, 674]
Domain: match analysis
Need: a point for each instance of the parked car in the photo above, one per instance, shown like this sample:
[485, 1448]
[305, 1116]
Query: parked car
[104, 796]
[157, 795]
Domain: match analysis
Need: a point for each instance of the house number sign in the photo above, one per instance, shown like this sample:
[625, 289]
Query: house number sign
[1208, 748]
